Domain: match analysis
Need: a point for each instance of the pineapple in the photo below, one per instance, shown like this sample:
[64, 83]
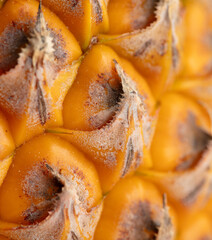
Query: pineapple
[105, 120]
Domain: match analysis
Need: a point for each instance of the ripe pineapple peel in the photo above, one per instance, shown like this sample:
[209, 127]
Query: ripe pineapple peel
[105, 120]
[34, 99]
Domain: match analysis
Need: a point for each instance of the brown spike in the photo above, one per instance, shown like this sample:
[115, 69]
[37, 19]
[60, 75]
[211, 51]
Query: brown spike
[42, 110]
[166, 229]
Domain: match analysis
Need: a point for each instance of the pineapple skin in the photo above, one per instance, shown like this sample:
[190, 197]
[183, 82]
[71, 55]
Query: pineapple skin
[105, 120]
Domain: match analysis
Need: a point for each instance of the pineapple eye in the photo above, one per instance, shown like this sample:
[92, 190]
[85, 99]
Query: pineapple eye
[138, 218]
[11, 42]
[196, 141]
[130, 15]
[41, 184]
[16, 36]
[36, 54]
[115, 92]
[104, 98]
[105, 92]
[133, 210]
[108, 114]
[95, 96]
[143, 14]
[149, 48]
[50, 189]
[184, 131]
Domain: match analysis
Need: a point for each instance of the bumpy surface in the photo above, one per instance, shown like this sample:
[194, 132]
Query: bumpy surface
[105, 120]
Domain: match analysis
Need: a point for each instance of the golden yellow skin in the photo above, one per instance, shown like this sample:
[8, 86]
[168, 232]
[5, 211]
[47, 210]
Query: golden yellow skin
[196, 87]
[130, 15]
[81, 18]
[3, 238]
[195, 226]
[1, 3]
[172, 141]
[195, 37]
[7, 147]
[60, 156]
[122, 215]
[6, 140]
